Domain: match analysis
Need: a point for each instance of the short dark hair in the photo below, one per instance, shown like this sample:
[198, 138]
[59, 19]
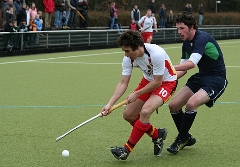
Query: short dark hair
[187, 19]
[130, 38]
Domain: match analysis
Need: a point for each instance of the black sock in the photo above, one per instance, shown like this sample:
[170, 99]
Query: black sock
[177, 118]
[187, 122]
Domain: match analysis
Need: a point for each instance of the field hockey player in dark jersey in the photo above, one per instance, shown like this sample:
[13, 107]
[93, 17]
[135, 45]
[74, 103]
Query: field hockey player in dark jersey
[199, 50]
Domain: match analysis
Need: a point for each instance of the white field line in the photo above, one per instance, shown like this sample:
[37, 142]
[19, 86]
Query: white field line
[66, 57]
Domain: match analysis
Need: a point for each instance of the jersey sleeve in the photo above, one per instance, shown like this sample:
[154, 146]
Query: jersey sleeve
[126, 66]
[141, 20]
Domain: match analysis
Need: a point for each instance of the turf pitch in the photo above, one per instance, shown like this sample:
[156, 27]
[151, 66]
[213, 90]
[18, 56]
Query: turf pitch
[44, 96]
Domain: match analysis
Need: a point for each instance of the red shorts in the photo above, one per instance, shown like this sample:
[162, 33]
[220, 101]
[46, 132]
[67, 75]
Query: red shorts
[147, 35]
[165, 90]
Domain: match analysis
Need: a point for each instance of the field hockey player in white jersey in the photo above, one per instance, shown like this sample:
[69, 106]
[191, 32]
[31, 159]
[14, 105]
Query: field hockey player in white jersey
[146, 23]
[157, 85]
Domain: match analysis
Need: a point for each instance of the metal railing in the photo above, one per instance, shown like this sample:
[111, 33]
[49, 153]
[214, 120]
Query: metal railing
[70, 38]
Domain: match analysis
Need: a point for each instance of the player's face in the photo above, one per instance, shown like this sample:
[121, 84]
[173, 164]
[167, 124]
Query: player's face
[184, 31]
[149, 14]
[132, 54]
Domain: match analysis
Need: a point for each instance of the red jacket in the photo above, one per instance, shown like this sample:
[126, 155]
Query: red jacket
[49, 6]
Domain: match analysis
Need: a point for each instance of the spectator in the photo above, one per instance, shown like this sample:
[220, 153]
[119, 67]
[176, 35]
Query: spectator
[23, 28]
[33, 10]
[3, 4]
[9, 5]
[6, 38]
[170, 19]
[201, 13]
[69, 7]
[9, 14]
[135, 14]
[152, 7]
[59, 10]
[38, 22]
[18, 5]
[133, 25]
[22, 15]
[15, 36]
[117, 25]
[32, 27]
[186, 8]
[48, 12]
[190, 9]
[28, 16]
[113, 14]
[162, 15]
[72, 23]
[83, 8]
[40, 17]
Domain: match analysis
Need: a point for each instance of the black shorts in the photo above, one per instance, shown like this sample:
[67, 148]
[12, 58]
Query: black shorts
[213, 85]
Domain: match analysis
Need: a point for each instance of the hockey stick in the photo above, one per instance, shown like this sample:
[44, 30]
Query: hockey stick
[80, 15]
[85, 122]
[145, 28]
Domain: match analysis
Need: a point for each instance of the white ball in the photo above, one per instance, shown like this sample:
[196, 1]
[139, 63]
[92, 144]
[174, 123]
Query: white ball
[65, 153]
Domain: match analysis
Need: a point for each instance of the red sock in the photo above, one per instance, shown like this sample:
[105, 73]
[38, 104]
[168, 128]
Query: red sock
[133, 123]
[137, 132]
[152, 132]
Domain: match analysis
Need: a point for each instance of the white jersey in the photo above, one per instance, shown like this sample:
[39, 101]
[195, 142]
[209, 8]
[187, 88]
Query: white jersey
[148, 23]
[155, 61]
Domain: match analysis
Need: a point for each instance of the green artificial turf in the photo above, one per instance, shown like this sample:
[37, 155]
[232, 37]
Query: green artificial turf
[44, 96]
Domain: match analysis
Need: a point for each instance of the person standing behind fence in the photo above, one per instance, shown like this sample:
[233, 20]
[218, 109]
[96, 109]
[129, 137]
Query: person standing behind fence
[6, 38]
[162, 15]
[145, 24]
[33, 10]
[18, 5]
[59, 5]
[170, 19]
[6, 8]
[190, 9]
[135, 14]
[73, 13]
[23, 28]
[28, 16]
[113, 14]
[152, 7]
[49, 6]
[83, 8]
[38, 22]
[15, 37]
[22, 15]
[69, 8]
[133, 25]
[9, 14]
[3, 4]
[32, 27]
[201, 13]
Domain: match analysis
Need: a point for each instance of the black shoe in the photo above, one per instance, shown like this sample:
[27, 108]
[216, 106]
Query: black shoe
[176, 146]
[158, 143]
[190, 141]
[120, 152]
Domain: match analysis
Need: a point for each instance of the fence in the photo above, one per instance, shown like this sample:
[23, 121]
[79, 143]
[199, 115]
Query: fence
[84, 39]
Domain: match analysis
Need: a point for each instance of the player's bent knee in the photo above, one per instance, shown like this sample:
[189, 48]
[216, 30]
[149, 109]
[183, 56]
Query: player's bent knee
[174, 107]
[191, 105]
[129, 117]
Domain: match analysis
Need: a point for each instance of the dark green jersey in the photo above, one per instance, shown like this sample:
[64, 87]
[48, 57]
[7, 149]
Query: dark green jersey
[211, 62]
